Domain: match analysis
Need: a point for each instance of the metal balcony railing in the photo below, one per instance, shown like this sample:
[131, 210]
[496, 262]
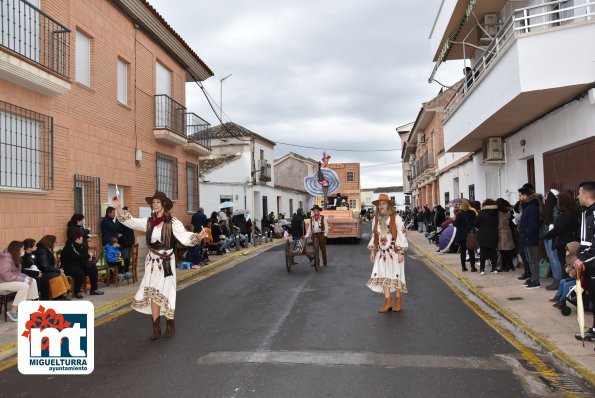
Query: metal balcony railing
[264, 170]
[196, 128]
[34, 35]
[522, 20]
[170, 115]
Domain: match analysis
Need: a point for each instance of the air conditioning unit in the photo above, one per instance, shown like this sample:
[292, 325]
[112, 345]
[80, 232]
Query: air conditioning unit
[493, 150]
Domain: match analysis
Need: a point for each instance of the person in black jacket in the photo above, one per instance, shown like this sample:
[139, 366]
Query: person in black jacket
[439, 216]
[109, 227]
[74, 262]
[529, 233]
[126, 241]
[565, 228]
[51, 275]
[76, 223]
[487, 235]
[463, 223]
[29, 268]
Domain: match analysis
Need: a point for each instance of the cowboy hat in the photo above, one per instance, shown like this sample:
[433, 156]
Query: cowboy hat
[383, 197]
[165, 201]
[316, 207]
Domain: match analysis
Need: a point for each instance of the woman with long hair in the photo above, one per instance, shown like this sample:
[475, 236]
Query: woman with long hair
[46, 262]
[157, 292]
[565, 227]
[387, 251]
[13, 280]
[505, 234]
[464, 223]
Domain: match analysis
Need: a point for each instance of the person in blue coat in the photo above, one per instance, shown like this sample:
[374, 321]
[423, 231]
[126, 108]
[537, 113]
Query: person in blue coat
[529, 233]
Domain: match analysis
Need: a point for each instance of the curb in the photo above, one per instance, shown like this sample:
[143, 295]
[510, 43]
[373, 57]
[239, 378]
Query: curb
[536, 337]
[11, 349]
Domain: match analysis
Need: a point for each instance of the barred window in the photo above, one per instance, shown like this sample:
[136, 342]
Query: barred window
[167, 175]
[87, 200]
[192, 186]
[350, 176]
[26, 148]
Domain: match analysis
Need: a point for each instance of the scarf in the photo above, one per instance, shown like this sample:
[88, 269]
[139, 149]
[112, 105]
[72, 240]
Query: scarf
[155, 221]
[382, 222]
[316, 217]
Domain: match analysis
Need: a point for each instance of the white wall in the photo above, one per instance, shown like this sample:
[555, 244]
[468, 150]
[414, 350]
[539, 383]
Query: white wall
[466, 175]
[567, 125]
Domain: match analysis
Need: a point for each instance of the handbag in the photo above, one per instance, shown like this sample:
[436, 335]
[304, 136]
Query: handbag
[472, 242]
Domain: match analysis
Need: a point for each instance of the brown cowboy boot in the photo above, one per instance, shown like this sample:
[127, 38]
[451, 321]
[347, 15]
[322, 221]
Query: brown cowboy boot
[397, 305]
[386, 307]
[171, 328]
[156, 328]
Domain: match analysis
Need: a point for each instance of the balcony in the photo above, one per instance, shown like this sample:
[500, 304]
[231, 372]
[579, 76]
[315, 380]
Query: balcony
[264, 171]
[199, 143]
[425, 163]
[526, 70]
[36, 48]
[170, 123]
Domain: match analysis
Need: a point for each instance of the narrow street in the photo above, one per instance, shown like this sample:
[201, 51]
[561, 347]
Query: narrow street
[257, 331]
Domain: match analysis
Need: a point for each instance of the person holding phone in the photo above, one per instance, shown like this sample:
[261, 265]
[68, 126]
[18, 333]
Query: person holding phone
[157, 292]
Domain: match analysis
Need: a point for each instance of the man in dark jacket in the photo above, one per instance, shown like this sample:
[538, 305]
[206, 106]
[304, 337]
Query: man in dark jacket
[298, 229]
[487, 235]
[427, 218]
[529, 233]
[586, 252]
[199, 219]
[109, 227]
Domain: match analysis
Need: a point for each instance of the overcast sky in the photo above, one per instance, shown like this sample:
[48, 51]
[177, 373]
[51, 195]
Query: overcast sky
[336, 74]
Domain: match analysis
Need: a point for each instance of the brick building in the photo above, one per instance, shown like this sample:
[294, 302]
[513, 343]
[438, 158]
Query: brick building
[92, 95]
[349, 175]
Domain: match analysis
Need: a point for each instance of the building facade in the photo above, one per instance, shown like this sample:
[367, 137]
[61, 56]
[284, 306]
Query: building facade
[522, 118]
[92, 96]
[350, 189]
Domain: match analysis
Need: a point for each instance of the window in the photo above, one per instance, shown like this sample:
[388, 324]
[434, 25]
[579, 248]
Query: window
[407, 200]
[446, 198]
[290, 206]
[26, 148]
[352, 203]
[472, 192]
[87, 200]
[192, 186]
[83, 59]
[122, 82]
[261, 154]
[167, 175]
[350, 176]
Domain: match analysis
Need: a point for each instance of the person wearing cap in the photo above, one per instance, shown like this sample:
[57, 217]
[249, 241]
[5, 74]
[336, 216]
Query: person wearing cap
[156, 295]
[529, 233]
[387, 251]
[318, 230]
[74, 260]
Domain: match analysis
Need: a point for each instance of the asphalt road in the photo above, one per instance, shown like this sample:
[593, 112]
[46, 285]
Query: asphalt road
[257, 331]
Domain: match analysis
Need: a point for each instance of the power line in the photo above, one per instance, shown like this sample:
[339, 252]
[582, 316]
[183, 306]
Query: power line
[378, 165]
[341, 150]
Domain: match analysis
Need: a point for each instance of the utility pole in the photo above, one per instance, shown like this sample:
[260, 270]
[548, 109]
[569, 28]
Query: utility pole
[221, 98]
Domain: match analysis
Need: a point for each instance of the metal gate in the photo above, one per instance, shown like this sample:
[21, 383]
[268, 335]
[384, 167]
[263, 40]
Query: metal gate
[87, 200]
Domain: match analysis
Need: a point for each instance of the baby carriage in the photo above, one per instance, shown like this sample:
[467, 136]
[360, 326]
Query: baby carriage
[434, 236]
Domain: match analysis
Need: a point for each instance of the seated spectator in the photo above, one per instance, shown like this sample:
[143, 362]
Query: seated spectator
[28, 266]
[113, 256]
[198, 254]
[75, 264]
[225, 236]
[52, 277]
[13, 280]
[567, 283]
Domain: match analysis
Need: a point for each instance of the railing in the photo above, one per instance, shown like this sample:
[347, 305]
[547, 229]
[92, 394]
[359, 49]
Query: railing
[87, 200]
[29, 32]
[522, 20]
[170, 115]
[196, 128]
[264, 170]
[425, 162]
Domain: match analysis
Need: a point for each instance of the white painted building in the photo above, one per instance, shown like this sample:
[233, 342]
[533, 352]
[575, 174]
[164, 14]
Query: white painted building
[241, 170]
[527, 108]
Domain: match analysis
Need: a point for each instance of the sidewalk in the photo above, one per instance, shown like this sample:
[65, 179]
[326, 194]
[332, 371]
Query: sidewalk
[529, 309]
[116, 298]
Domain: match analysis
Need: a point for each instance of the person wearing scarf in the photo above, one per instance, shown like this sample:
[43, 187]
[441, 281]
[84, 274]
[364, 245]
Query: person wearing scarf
[156, 295]
[387, 251]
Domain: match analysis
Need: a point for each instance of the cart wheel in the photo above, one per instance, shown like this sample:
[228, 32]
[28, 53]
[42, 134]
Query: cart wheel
[287, 258]
[565, 310]
[316, 246]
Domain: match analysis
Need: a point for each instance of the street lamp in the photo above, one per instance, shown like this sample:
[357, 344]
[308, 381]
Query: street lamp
[221, 98]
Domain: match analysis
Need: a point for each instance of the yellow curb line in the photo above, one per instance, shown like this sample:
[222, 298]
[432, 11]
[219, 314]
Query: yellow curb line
[111, 308]
[539, 365]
